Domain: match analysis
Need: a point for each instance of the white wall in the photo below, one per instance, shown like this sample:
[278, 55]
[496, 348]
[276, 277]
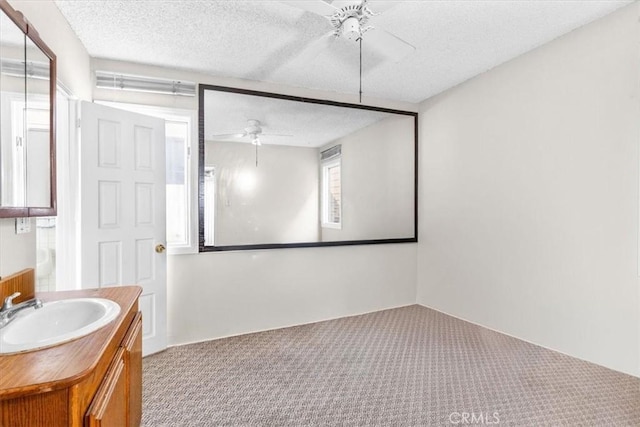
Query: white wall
[377, 177]
[17, 251]
[213, 295]
[275, 201]
[529, 196]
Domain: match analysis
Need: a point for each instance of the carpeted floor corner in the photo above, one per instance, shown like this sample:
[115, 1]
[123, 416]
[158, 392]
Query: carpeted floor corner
[409, 366]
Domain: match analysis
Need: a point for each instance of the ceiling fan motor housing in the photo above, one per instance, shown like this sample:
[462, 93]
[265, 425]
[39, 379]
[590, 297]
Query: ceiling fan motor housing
[253, 128]
[350, 21]
[351, 28]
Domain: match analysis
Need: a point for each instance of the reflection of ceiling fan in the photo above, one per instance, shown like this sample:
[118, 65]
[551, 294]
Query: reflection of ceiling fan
[252, 132]
[350, 20]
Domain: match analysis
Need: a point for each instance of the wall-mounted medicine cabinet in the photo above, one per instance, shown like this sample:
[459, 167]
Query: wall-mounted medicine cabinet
[27, 119]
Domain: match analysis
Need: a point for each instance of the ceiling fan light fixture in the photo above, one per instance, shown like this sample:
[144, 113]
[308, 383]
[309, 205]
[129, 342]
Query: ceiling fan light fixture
[351, 28]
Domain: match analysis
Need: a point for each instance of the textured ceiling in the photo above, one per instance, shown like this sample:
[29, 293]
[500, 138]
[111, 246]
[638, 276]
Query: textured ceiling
[265, 40]
[283, 122]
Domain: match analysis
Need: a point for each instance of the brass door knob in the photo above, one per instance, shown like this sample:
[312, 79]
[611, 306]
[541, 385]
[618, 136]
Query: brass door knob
[160, 248]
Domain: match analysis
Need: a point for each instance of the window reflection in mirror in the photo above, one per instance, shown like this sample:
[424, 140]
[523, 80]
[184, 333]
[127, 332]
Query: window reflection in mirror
[27, 141]
[279, 171]
[12, 103]
[331, 191]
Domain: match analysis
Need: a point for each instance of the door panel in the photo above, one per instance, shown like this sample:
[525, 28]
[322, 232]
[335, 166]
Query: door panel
[110, 263]
[123, 209]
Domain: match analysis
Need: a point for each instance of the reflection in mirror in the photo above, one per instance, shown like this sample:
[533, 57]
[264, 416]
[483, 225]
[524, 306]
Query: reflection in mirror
[27, 140]
[36, 128]
[12, 102]
[279, 171]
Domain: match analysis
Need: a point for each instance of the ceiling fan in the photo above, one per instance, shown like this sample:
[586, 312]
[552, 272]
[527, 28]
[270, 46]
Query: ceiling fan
[252, 132]
[350, 20]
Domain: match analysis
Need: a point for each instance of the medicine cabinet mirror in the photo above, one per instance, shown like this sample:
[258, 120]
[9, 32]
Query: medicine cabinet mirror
[27, 118]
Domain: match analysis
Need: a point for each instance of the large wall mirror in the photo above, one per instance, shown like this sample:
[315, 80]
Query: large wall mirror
[27, 117]
[279, 171]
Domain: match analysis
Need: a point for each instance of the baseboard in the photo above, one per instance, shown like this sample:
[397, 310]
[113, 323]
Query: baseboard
[289, 326]
[527, 341]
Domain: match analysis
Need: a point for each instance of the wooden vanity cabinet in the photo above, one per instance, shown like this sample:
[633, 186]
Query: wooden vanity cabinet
[118, 401]
[133, 365]
[109, 407]
[92, 381]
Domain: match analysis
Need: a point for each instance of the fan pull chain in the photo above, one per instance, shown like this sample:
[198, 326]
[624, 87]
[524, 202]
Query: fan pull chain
[360, 69]
[256, 154]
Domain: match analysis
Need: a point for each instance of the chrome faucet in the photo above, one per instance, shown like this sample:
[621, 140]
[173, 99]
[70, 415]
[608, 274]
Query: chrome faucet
[9, 310]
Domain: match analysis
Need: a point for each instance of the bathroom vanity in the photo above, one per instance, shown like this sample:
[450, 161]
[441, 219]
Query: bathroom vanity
[95, 380]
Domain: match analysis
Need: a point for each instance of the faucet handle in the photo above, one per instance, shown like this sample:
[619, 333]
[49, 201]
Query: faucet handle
[8, 301]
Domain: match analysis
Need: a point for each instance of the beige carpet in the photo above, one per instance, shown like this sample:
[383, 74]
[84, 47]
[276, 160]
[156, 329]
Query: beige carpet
[409, 366]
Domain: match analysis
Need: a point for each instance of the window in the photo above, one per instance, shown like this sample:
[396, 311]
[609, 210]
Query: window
[331, 189]
[177, 149]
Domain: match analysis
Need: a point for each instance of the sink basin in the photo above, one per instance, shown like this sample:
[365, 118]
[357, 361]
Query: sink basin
[56, 322]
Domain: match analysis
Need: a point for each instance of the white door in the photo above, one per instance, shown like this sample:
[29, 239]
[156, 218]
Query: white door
[122, 219]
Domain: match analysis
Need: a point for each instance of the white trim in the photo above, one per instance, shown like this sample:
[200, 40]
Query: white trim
[291, 325]
[507, 334]
[67, 177]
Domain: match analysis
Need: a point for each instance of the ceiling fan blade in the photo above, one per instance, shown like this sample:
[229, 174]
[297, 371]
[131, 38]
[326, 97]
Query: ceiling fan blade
[315, 6]
[387, 44]
[315, 48]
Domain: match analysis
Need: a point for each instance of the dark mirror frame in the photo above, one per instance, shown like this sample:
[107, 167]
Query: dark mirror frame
[201, 169]
[31, 33]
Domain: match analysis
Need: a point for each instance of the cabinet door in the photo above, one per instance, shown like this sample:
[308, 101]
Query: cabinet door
[109, 406]
[132, 345]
